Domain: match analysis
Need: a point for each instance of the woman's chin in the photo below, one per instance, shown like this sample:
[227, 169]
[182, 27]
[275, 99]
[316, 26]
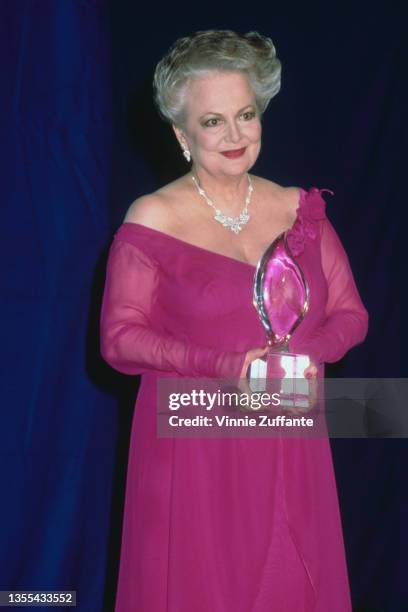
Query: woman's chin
[237, 166]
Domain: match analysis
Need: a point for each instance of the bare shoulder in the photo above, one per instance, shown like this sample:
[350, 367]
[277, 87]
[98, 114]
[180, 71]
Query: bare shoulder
[156, 210]
[149, 210]
[292, 195]
[286, 198]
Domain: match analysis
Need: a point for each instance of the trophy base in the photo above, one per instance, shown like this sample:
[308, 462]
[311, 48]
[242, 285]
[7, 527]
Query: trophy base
[282, 373]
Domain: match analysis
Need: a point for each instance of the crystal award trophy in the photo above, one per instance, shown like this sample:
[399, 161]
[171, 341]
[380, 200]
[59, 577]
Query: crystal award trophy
[281, 298]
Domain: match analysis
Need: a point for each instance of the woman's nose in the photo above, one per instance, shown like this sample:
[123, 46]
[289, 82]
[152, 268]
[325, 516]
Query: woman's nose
[233, 132]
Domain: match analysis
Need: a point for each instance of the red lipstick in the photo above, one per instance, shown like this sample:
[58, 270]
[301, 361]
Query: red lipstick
[234, 153]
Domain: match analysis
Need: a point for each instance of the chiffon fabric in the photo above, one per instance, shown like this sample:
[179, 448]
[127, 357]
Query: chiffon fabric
[236, 524]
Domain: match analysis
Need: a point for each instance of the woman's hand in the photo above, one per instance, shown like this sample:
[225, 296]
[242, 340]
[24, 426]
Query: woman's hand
[310, 371]
[252, 354]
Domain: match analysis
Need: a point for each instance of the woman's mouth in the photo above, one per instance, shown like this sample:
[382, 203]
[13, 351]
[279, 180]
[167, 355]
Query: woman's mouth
[232, 154]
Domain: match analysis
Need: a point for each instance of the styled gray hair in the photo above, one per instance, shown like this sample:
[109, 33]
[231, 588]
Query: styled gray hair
[215, 51]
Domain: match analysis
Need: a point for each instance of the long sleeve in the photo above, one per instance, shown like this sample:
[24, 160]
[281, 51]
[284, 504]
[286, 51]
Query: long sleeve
[130, 343]
[346, 321]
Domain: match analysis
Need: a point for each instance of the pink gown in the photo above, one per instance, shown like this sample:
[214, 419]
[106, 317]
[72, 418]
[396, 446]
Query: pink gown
[237, 524]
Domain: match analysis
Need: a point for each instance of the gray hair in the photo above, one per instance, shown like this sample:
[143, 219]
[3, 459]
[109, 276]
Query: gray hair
[215, 51]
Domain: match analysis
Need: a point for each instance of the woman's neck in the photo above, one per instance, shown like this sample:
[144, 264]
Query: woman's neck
[226, 192]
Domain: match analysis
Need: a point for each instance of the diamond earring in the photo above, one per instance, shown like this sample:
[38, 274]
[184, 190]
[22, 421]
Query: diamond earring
[186, 152]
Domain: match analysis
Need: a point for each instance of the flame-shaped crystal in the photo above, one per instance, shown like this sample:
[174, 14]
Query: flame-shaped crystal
[281, 294]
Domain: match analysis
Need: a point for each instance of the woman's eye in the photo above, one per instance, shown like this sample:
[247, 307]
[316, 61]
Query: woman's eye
[211, 122]
[248, 115]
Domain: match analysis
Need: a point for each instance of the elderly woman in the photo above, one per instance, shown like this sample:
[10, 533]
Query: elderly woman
[236, 524]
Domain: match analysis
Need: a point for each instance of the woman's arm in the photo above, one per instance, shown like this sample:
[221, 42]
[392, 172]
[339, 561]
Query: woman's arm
[129, 341]
[346, 318]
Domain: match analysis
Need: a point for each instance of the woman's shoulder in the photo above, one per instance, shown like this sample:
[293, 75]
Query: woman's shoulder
[149, 210]
[294, 201]
[287, 198]
[272, 186]
[158, 209]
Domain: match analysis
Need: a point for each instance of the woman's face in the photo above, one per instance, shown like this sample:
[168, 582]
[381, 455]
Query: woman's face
[222, 128]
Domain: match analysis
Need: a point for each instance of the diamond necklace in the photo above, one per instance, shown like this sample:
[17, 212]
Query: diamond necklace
[233, 223]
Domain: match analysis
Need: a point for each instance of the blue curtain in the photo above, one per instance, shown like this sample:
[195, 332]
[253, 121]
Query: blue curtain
[58, 420]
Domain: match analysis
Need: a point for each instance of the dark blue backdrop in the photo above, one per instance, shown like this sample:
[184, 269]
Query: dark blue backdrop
[72, 71]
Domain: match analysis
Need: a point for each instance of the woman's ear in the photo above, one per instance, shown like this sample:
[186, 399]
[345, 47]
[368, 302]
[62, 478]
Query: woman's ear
[182, 141]
[179, 134]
